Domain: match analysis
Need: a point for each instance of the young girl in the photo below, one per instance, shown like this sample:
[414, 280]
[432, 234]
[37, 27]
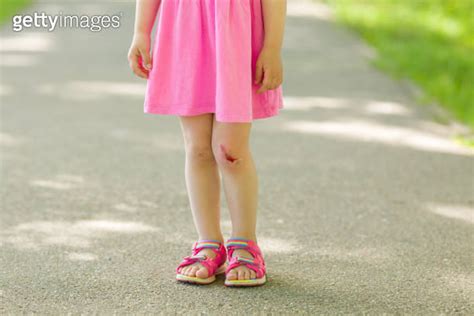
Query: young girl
[217, 65]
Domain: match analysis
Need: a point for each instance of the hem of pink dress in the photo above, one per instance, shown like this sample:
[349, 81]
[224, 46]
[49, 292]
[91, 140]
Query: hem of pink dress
[164, 110]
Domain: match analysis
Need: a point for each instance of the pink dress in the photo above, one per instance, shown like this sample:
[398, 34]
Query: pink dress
[204, 59]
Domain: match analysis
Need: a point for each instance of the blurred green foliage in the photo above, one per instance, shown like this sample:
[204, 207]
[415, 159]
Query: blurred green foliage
[428, 41]
[9, 8]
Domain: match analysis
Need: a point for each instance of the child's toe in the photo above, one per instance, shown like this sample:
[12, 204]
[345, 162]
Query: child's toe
[202, 273]
[253, 275]
[186, 270]
[241, 275]
[194, 270]
[232, 275]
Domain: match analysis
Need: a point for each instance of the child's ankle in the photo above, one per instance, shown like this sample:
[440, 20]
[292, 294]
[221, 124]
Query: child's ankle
[244, 237]
[212, 238]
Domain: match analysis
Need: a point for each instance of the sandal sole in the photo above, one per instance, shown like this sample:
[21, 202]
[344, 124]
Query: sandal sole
[246, 283]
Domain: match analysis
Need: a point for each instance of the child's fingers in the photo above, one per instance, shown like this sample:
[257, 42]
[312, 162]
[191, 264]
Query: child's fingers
[276, 80]
[270, 82]
[146, 59]
[137, 69]
[134, 61]
[258, 73]
[267, 82]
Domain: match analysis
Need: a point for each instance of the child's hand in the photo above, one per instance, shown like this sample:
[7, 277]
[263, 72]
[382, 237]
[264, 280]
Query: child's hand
[139, 56]
[269, 70]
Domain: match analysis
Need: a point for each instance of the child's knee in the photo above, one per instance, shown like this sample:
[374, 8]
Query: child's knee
[228, 156]
[200, 153]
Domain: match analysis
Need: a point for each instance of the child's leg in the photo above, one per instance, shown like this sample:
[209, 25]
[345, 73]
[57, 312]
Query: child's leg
[202, 182]
[230, 142]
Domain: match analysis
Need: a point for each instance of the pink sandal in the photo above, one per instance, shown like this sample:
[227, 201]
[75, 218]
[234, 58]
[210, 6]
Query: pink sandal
[256, 263]
[214, 265]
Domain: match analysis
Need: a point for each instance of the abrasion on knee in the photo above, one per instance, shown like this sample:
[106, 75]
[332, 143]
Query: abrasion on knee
[228, 157]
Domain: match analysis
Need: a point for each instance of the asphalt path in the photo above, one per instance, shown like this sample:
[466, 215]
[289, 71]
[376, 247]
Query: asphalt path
[366, 202]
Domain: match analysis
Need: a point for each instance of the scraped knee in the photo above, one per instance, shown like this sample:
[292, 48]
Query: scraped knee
[227, 157]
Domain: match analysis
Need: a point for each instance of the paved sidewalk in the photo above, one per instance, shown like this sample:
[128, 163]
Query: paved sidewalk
[366, 203]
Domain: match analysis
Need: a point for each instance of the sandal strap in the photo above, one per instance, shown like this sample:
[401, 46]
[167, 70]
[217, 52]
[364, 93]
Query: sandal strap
[211, 264]
[257, 263]
[203, 257]
[206, 243]
[245, 244]
[246, 260]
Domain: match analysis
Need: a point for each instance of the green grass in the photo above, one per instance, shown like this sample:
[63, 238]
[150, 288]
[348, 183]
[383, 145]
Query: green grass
[8, 8]
[465, 140]
[429, 41]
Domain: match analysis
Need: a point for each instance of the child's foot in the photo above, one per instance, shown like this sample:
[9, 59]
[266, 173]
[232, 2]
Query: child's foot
[197, 269]
[246, 264]
[241, 272]
[207, 260]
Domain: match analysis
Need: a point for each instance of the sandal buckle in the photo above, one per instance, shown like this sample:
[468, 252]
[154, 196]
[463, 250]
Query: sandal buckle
[204, 257]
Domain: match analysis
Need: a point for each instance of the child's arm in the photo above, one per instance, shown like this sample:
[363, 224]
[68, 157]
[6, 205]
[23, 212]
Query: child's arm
[269, 69]
[139, 54]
